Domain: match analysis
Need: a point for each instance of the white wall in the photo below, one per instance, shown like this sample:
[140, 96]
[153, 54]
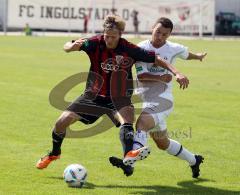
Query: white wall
[68, 14]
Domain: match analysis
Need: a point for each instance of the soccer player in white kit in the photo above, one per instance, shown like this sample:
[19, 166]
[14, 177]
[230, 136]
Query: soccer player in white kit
[155, 89]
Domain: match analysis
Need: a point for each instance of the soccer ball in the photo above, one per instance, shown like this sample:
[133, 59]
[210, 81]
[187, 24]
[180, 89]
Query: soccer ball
[75, 175]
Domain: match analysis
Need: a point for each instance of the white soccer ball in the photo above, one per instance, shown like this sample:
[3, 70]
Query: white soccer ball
[75, 175]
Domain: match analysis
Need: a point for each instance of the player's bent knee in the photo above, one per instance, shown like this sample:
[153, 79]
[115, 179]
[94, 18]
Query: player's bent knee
[142, 124]
[161, 139]
[69, 115]
[145, 122]
[139, 124]
[66, 119]
[125, 115]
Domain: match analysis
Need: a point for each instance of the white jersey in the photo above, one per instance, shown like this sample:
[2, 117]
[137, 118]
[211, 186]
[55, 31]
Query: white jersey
[169, 52]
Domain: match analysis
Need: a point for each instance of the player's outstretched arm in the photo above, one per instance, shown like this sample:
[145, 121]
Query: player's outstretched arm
[73, 46]
[180, 78]
[197, 56]
[146, 77]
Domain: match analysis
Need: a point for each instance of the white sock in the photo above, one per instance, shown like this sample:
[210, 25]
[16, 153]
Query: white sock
[176, 149]
[140, 139]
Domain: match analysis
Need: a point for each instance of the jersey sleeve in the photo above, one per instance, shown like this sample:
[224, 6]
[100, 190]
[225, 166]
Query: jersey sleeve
[140, 54]
[89, 45]
[183, 52]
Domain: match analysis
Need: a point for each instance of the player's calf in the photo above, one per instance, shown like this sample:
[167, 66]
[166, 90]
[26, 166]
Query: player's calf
[161, 139]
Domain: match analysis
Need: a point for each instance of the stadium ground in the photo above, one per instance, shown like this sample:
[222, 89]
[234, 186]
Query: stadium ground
[205, 119]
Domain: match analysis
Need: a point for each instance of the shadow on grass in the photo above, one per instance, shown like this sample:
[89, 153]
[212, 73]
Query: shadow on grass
[185, 187]
[58, 178]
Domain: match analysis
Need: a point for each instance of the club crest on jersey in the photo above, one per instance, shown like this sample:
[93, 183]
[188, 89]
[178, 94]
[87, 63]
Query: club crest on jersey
[119, 59]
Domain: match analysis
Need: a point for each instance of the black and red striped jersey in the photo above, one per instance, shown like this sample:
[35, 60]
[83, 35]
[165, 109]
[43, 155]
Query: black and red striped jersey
[110, 72]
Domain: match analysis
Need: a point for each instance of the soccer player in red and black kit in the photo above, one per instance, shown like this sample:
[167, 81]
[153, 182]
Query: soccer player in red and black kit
[108, 88]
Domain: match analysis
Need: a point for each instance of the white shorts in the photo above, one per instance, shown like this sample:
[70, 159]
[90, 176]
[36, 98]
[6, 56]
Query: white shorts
[159, 111]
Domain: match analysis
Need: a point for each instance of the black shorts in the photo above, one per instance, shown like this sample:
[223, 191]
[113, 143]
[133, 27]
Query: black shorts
[90, 109]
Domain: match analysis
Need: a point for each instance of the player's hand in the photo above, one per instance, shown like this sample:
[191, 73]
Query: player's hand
[182, 80]
[166, 78]
[73, 46]
[76, 45]
[201, 56]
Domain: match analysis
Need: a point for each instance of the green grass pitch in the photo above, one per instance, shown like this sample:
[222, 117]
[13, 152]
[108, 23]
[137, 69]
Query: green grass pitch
[205, 120]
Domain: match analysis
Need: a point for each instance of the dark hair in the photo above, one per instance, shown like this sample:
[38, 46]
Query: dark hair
[166, 23]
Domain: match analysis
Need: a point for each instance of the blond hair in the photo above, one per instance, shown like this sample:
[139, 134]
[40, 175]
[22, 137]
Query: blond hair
[114, 22]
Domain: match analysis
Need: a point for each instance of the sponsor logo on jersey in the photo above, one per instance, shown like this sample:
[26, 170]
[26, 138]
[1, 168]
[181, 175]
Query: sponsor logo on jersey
[156, 69]
[113, 64]
[139, 69]
[109, 64]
